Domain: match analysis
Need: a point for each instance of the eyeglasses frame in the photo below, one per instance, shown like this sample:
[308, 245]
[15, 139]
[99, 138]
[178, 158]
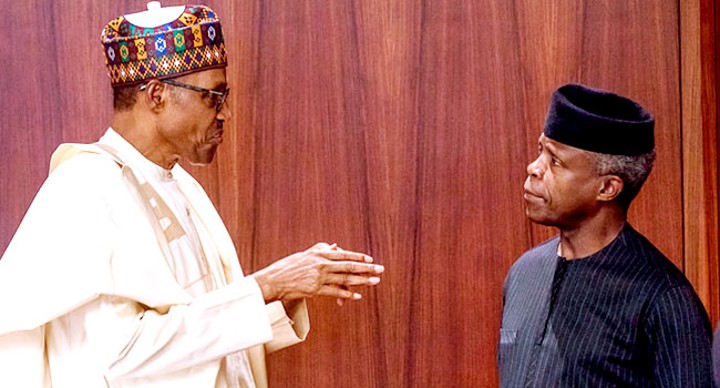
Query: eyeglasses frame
[221, 96]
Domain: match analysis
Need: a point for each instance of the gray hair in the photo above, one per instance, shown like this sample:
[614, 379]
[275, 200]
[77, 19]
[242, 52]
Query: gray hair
[633, 170]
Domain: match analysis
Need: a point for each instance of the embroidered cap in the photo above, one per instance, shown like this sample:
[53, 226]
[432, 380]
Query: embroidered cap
[599, 121]
[149, 47]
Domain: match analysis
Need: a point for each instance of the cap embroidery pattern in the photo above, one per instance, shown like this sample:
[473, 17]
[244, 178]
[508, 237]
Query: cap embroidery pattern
[190, 43]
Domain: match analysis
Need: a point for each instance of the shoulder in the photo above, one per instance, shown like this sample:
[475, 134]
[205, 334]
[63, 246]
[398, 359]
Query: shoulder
[538, 256]
[536, 265]
[671, 296]
[73, 160]
[81, 175]
[677, 319]
[654, 267]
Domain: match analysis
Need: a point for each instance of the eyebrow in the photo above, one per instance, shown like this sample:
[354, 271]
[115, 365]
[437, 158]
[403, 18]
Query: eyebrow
[218, 86]
[552, 150]
[222, 86]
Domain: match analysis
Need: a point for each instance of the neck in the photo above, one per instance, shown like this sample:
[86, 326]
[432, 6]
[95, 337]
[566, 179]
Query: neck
[143, 137]
[591, 235]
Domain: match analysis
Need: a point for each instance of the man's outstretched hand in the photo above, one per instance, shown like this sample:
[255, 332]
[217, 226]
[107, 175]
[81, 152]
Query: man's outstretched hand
[323, 270]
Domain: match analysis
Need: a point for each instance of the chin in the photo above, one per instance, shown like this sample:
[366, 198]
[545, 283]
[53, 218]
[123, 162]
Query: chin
[538, 219]
[204, 156]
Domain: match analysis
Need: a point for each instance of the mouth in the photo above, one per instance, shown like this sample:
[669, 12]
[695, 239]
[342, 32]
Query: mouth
[530, 195]
[217, 137]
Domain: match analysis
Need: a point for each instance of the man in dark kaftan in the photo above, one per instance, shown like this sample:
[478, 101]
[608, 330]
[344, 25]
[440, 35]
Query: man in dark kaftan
[598, 305]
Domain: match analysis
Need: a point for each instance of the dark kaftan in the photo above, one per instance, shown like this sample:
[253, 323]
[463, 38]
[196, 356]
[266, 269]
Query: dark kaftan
[622, 317]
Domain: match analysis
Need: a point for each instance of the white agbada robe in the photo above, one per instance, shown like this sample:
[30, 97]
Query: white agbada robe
[93, 295]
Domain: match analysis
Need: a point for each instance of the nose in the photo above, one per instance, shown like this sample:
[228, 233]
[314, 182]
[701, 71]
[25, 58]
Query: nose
[535, 168]
[224, 114]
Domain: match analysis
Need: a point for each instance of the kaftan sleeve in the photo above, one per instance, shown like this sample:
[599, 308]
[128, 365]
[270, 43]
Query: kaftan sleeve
[58, 258]
[679, 336]
[22, 361]
[212, 326]
[288, 328]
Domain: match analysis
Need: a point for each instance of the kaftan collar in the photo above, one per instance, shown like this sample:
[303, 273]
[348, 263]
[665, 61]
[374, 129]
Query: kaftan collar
[137, 160]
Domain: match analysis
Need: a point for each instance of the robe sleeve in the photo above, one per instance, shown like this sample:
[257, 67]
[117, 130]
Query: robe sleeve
[22, 359]
[213, 325]
[59, 257]
[288, 329]
[679, 336]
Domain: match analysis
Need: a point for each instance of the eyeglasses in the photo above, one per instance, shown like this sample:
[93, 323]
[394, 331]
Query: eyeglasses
[218, 97]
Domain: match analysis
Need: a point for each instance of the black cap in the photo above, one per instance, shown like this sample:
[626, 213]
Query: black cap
[599, 121]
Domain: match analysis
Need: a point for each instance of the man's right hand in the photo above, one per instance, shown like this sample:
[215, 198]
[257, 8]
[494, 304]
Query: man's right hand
[324, 270]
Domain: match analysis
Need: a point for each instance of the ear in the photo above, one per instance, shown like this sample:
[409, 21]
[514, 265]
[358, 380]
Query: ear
[154, 95]
[611, 186]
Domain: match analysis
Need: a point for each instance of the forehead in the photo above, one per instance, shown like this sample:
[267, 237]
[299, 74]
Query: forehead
[569, 154]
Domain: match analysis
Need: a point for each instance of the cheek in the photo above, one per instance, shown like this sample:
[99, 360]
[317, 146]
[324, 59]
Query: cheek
[559, 188]
[198, 127]
[573, 192]
[551, 183]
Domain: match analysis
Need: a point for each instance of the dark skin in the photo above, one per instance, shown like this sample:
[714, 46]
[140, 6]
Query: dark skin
[564, 190]
[168, 124]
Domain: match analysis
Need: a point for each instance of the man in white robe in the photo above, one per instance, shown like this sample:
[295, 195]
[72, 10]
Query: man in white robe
[122, 273]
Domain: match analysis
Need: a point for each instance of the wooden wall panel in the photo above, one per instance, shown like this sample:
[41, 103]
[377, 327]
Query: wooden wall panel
[700, 148]
[470, 178]
[387, 38]
[311, 173]
[401, 128]
[713, 260]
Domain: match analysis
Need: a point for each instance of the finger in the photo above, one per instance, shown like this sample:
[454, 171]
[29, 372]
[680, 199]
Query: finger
[350, 267]
[340, 301]
[322, 246]
[337, 292]
[346, 280]
[341, 255]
